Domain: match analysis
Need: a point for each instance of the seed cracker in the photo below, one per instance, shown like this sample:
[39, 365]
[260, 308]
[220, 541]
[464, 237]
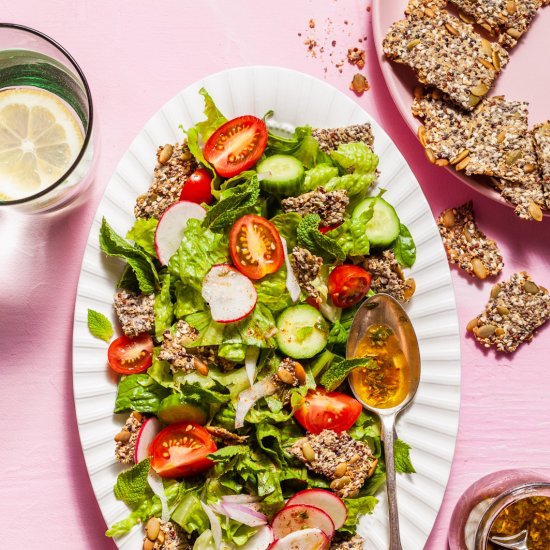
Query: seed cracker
[541, 136]
[445, 52]
[466, 245]
[517, 307]
[330, 138]
[493, 140]
[509, 18]
[388, 277]
[167, 183]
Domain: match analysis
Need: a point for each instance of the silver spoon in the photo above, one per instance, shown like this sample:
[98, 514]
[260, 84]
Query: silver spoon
[383, 309]
[514, 542]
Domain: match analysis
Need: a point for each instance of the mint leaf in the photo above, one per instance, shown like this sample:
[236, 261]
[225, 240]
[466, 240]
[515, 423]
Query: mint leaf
[99, 325]
[143, 234]
[338, 372]
[403, 464]
[404, 248]
[131, 486]
[311, 238]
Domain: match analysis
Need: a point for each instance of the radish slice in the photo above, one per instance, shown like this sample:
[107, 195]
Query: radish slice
[230, 294]
[307, 539]
[215, 524]
[155, 482]
[149, 429]
[261, 540]
[325, 500]
[250, 361]
[248, 397]
[301, 516]
[240, 499]
[244, 514]
[291, 282]
[171, 226]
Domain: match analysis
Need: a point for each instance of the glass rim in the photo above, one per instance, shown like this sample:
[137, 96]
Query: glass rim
[88, 134]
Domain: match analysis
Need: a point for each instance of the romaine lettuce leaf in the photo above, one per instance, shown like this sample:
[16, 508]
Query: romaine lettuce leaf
[143, 234]
[234, 351]
[188, 513]
[199, 250]
[319, 175]
[188, 300]
[139, 392]
[257, 329]
[163, 308]
[356, 507]
[160, 371]
[352, 234]
[214, 117]
[287, 225]
[114, 245]
[272, 291]
[210, 332]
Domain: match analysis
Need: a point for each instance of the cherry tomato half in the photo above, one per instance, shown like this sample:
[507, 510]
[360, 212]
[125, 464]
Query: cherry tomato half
[255, 246]
[180, 450]
[131, 355]
[348, 284]
[197, 187]
[328, 411]
[236, 145]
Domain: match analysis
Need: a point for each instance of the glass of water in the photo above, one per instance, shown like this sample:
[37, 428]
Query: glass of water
[47, 136]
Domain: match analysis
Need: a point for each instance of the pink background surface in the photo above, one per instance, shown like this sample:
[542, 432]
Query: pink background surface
[136, 57]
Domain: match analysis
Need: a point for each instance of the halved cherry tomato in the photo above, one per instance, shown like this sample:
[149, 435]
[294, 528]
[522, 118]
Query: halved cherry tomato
[255, 246]
[348, 284]
[197, 187]
[236, 145]
[181, 449]
[329, 227]
[131, 355]
[328, 411]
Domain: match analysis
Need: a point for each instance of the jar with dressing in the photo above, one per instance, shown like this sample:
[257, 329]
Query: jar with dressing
[501, 504]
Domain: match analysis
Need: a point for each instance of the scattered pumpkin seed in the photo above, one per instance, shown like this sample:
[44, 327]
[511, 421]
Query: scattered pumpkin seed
[473, 100]
[152, 528]
[410, 288]
[503, 310]
[340, 483]
[466, 18]
[486, 64]
[452, 29]
[496, 61]
[422, 135]
[430, 154]
[514, 33]
[487, 47]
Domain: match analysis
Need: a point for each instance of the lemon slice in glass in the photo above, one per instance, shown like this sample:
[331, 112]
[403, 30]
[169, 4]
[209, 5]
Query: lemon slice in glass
[40, 137]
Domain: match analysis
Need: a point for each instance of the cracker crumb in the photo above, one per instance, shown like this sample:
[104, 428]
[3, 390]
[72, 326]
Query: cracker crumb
[357, 542]
[356, 56]
[135, 312]
[359, 84]
[331, 138]
[330, 205]
[516, 309]
[466, 245]
[387, 276]
[306, 267]
[124, 450]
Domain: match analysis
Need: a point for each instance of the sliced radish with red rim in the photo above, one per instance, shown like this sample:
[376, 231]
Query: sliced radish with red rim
[230, 294]
[307, 539]
[299, 517]
[149, 429]
[171, 227]
[325, 500]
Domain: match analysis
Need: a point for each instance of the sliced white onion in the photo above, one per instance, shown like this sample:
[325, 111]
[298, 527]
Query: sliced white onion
[250, 361]
[215, 524]
[264, 175]
[240, 499]
[248, 397]
[261, 540]
[155, 482]
[243, 514]
[291, 282]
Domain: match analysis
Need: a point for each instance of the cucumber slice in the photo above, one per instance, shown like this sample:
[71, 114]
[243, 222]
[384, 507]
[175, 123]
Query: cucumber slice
[174, 408]
[284, 174]
[302, 331]
[383, 228]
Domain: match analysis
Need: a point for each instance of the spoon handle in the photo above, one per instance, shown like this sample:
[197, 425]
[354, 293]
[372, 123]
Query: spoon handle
[388, 424]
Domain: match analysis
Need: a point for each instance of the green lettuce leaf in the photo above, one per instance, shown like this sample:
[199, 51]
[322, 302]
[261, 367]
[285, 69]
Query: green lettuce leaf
[99, 325]
[359, 165]
[287, 225]
[163, 308]
[188, 300]
[272, 291]
[210, 332]
[139, 392]
[351, 236]
[214, 117]
[143, 234]
[131, 485]
[199, 250]
[356, 507]
[257, 329]
[318, 176]
[113, 244]
[235, 352]
[404, 248]
[160, 371]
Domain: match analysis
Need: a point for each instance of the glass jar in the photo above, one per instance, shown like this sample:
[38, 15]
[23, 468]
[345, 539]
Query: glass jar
[483, 501]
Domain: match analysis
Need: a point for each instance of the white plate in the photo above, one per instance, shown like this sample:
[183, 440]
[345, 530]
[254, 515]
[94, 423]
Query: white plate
[430, 425]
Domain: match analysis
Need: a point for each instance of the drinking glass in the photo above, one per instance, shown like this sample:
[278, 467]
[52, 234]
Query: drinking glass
[43, 80]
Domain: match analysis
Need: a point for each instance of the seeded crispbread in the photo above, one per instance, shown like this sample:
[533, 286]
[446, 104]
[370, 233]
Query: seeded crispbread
[170, 175]
[541, 136]
[445, 52]
[466, 245]
[331, 138]
[509, 18]
[517, 307]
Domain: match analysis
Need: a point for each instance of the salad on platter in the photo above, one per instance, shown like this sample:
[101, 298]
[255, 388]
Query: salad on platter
[249, 256]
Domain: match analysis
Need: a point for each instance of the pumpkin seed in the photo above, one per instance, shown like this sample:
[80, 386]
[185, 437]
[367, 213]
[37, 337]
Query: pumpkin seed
[429, 12]
[514, 33]
[513, 156]
[467, 234]
[451, 29]
[466, 18]
[487, 47]
[308, 452]
[535, 211]
[300, 373]
[340, 483]
[473, 100]
[410, 288]
[422, 135]
[480, 90]
[462, 164]
[503, 310]
[486, 331]
[442, 162]
[502, 136]
[138, 416]
[200, 366]
[341, 469]
[431, 157]
[285, 376]
[496, 60]
[354, 459]
[495, 291]
[479, 269]
[486, 64]
[123, 436]
[413, 43]
[531, 287]
[461, 156]
[166, 153]
[448, 218]
[152, 528]
[529, 168]
[500, 332]
[472, 324]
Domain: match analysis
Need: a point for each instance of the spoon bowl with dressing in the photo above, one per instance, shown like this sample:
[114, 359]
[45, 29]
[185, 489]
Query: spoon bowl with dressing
[383, 331]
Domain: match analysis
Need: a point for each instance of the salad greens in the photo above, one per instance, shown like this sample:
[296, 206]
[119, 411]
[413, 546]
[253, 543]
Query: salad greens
[255, 459]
